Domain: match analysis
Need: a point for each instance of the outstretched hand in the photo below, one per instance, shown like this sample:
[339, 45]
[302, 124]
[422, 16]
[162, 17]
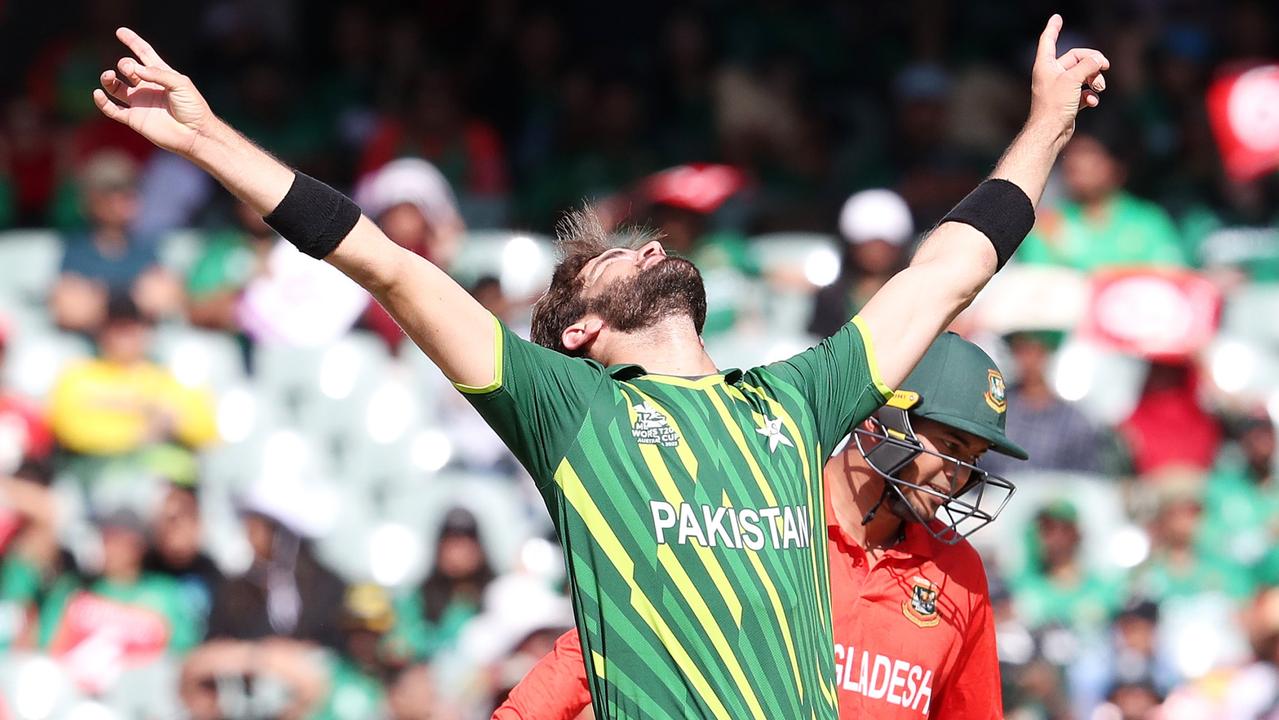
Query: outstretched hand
[155, 100]
[1062, 85]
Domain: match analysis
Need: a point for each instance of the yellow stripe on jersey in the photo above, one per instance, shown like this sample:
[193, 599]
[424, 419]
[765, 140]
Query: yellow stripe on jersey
[598, 661]
[670, 491]
[773, 597]
[497, 365]
[580, 498]
[821, 571]
[657, 468]
[871, 362]
[735, 432]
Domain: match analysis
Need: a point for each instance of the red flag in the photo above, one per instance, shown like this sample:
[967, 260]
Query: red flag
[1243, 108]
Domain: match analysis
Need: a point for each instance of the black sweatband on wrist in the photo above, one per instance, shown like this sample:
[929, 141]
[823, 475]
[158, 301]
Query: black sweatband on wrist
[1000, 211]
[313, 216]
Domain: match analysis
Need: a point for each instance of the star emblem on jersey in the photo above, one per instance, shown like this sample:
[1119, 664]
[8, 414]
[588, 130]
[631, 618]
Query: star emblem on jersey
[920, 606]
[772, 429]
[651, 427]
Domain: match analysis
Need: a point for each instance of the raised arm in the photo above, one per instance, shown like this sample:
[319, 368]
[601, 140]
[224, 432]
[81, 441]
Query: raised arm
[957, 259]
[164, 106]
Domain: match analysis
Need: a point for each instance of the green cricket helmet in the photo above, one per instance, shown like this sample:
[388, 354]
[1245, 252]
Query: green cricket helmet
[958, 385]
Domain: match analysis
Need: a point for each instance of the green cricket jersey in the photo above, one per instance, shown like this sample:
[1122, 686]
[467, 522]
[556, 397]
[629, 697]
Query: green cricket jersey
[692, 519]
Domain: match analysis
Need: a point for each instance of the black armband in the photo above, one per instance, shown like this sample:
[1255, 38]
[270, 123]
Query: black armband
[313, 216]
[1000, 211]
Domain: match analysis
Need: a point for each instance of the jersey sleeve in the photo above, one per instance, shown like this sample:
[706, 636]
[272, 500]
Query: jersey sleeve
[555, 689]
[973, 692]
[839, 379]
[537, 401]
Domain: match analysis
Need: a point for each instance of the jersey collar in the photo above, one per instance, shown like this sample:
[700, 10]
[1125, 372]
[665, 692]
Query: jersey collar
[631, 371]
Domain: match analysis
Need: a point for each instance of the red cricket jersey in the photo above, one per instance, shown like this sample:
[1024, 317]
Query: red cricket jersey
[914, 638]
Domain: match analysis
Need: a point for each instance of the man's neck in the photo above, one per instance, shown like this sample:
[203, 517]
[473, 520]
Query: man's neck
[670, 347]
[854, 490]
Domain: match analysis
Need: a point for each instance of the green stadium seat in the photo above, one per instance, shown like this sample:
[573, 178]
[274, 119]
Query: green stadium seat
[1109, 538]
[308, 382]
[200, 358]
[180, 249]
[523, 262]
[35, 360]
[1250, 313]
[786, 258]
[29, 261]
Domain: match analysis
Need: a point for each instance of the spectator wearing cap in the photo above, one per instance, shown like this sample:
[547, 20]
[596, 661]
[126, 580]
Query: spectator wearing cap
[1057, 587]
[414, 205]
[1055, 433]
[431, 618]
[120, 402]
[877, 228]
[123, 617]
[1098, 224]
[1131, 654]
[286, 591]
[682, 202]
[1180, 566]
[176, 552]
[356, 673]
[1241, 497]
[107, 258]
[24, 432]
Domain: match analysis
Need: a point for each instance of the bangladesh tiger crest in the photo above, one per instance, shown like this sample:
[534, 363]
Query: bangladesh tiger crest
[921, 606]
[996, 394]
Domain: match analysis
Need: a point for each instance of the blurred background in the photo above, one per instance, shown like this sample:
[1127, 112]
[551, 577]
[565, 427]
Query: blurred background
[230, 489]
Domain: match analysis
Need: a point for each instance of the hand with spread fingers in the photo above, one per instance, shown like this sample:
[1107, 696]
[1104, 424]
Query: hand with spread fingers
[1063, 85]
[152, 98]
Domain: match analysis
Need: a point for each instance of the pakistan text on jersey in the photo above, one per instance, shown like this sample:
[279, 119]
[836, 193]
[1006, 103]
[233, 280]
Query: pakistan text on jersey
[880, 677]
[738, 528]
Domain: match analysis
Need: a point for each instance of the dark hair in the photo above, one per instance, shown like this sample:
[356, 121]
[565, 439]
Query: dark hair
[439, 591]
[579, 236]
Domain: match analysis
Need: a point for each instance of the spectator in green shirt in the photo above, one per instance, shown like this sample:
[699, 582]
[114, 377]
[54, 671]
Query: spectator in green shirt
[231, 258]
[1179, 567]
[1234, 229]
[138, 613]
[1241, 499]
[1098, 224]
[1057, 588]
[356, 673]
[431, 618]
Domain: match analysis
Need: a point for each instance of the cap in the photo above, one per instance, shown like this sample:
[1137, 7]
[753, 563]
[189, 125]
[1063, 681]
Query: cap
[411, 181]
[698, 187]
[1139, 608]
[367, 607]
[459, 521]
[109, 170]
[876, 215]
[957, 384]
[120, 518]
[1060, 509]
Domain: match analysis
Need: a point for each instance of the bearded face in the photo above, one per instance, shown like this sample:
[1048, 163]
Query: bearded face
[672, 287]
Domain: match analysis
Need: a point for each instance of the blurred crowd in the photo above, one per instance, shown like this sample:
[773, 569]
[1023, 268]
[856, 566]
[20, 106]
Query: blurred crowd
[230, 489]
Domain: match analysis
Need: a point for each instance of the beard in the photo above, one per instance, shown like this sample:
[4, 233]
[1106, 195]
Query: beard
[671, 288]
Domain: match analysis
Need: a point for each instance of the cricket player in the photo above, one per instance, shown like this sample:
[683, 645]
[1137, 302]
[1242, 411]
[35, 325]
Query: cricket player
[914, 635]
[688, 499]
